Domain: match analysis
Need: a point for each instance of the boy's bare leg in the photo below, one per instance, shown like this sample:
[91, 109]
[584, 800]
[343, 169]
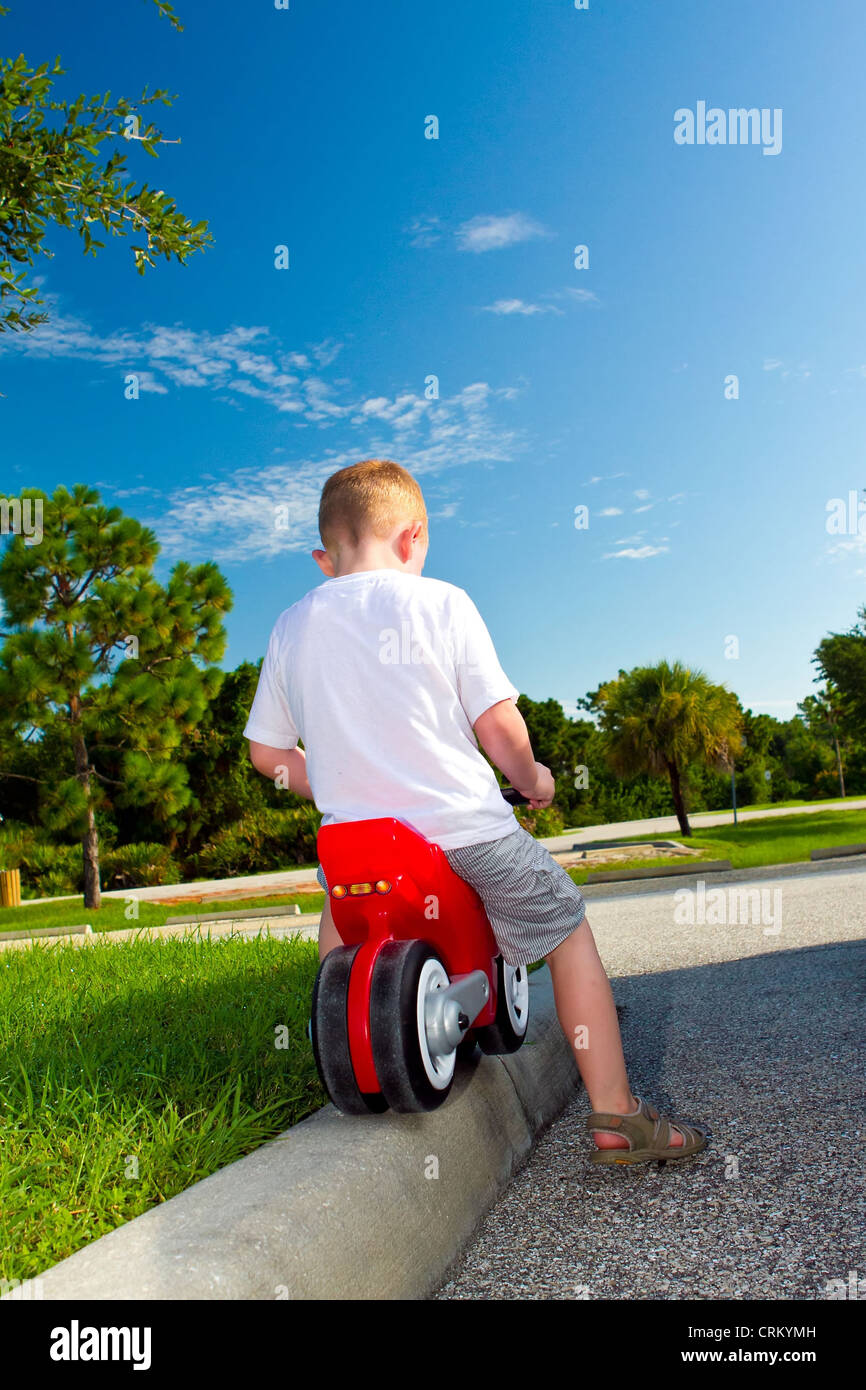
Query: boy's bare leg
[584, 1001]
[329, 937]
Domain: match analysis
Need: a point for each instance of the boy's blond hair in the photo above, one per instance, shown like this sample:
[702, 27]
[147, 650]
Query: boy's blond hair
[371, 497]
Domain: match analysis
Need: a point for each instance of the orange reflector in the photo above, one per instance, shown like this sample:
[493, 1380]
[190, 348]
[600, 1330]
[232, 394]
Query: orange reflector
[339, 890]
[383, 886]
[356, 889]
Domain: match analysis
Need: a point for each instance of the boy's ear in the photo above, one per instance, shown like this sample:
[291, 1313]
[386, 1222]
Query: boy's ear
[411, 534]
[325, 563]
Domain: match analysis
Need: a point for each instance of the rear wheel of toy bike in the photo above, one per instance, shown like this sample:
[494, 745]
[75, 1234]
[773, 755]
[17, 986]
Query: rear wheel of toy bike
[507, 1032]
[412, 1073]
[330, 1034]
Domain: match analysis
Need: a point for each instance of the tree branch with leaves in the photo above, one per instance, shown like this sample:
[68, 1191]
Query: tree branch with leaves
[53, 171]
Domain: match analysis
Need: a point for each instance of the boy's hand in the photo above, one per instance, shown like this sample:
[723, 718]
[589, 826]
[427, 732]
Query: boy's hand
[541, 794]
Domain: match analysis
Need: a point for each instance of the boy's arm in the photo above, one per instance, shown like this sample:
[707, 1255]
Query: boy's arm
[502, 733]
[275, 752]
[270, 761]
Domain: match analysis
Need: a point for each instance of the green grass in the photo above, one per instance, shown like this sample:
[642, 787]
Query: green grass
[111, 916]
[157, 1054]
[772, 806]
[779, 840]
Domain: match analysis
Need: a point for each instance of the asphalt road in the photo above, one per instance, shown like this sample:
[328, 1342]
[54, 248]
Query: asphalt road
[757, 1033]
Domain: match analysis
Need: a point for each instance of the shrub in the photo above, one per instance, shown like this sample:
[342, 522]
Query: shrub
[262, 841]
[137, 866]
[47, 869]
[540, 822]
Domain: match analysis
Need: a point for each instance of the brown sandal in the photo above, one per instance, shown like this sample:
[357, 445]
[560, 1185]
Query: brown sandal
[648, 1136]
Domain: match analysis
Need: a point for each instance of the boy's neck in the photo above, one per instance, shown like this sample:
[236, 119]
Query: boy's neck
[370, 569]
[371, 559]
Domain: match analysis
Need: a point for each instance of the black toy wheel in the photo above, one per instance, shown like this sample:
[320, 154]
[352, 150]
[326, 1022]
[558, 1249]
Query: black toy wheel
[330, 1035]
[412, 1074]
[507, 1032]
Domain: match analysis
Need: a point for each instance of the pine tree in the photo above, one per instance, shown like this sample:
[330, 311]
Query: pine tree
[101, 659]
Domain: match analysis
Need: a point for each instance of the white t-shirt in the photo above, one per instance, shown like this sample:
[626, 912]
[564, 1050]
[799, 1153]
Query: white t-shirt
[382, 674]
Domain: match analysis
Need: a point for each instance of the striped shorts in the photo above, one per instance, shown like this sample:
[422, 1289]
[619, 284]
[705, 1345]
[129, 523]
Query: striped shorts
[531, 902]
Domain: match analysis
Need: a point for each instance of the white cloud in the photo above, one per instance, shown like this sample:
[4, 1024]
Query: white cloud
[148, 382]
[801, 373]
[232, 519]
[403, 412]
[611, 511]
[644, 552]
[326, 351]
[853, 545]
[184, 357]
[491, 233]
[519, 306]
[641, 493]
[424, 231]
[582, 296]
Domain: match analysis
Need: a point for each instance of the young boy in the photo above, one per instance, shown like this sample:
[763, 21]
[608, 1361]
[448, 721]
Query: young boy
[389, 679]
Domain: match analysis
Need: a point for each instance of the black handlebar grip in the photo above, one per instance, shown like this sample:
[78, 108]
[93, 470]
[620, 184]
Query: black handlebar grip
[514, 797]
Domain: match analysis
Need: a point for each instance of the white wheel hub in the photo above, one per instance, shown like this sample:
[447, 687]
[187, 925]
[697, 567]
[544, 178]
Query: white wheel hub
[439, 1067]
[516, 982]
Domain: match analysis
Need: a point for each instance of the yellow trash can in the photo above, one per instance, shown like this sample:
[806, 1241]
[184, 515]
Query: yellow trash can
[10, 887]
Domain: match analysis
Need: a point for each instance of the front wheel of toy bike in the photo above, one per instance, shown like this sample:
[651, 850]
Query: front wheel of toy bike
[330, 1035]
[414, 1076]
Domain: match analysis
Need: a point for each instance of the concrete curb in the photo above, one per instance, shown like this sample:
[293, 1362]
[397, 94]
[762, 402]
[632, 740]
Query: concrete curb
[707, 866]
[342, 1207]
[838, 851]
[304, 924]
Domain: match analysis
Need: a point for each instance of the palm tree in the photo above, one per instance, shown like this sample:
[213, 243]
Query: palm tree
[828, 706]
[659, 719]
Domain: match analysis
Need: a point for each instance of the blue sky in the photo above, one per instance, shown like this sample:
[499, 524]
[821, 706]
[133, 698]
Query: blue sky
[559, 387]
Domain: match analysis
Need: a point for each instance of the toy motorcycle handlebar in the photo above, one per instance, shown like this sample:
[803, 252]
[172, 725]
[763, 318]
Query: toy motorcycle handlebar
[514, 797]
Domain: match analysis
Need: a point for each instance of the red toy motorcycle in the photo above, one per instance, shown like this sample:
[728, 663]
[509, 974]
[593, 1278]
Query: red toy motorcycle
[419, 980]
